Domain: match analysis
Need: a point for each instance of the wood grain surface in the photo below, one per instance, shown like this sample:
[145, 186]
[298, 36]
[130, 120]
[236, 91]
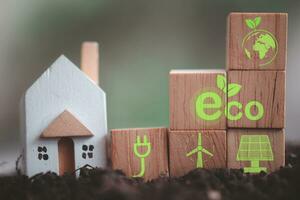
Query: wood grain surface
[277, 140]
[184, 88]
[123, 157]
[267, 87]
[182, 142]
[237, 30]
[90, 60]
[65, 125]
[66, 156]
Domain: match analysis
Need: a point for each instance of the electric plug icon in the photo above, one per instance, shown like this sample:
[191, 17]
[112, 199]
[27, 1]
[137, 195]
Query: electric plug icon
[138, 144]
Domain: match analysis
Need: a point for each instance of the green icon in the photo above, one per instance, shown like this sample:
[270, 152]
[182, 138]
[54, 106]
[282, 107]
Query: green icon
[144, 145]
[233, 88]
[259, 43]
[255, 148]
[199, 150]
[212, 102]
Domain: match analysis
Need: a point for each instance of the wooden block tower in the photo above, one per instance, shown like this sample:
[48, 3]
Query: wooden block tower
[240, 111]
[231, 118]
[197, 135]
[256, 64]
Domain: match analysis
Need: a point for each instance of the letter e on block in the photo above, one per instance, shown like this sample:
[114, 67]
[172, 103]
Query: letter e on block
[197, 99]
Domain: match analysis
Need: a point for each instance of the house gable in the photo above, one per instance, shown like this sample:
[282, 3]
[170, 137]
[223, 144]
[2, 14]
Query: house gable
[66, 125]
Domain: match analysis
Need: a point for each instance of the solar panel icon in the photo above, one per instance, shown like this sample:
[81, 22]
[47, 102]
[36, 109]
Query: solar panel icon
[255, 148]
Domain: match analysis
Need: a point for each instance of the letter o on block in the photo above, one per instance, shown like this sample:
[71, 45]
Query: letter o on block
[260, 112]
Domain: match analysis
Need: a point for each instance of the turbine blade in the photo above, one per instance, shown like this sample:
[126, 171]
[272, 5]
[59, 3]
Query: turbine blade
[207, 152]
[199, 139]
[192, 152]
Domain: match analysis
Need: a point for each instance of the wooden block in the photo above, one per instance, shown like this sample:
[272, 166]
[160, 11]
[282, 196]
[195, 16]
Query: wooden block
[256, 41]
[256, 99]
[255, 149]
[186, 153]
[90, 60]
[140, 152]
[197, 99]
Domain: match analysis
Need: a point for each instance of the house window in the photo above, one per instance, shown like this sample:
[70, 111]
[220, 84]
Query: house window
[42, 153]
[87, 151]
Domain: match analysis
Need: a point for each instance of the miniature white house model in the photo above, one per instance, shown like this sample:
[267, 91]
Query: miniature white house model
[63, 121]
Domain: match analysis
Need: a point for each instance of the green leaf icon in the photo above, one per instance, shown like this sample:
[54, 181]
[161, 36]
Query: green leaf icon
[221, 83]
[233, 89]
[250, 23]
[247, 53]
[257, 21]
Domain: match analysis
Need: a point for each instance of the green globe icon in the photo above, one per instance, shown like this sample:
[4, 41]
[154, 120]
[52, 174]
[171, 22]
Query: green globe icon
[263, 44]
[259, 45]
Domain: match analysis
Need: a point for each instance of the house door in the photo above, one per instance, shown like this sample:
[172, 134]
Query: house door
[66, 155]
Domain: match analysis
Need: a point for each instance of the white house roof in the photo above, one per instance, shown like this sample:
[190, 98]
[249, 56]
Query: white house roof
[63, 64]
[63, 86]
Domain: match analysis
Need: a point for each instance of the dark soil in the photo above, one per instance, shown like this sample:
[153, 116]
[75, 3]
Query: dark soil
[198, 184]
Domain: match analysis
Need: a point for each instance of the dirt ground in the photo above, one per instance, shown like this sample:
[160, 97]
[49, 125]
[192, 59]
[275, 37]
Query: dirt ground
[197, 184]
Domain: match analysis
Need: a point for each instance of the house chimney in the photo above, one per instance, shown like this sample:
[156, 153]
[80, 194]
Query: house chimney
[90, 60]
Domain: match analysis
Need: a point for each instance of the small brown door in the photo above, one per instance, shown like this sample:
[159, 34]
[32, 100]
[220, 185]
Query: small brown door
[66, 155]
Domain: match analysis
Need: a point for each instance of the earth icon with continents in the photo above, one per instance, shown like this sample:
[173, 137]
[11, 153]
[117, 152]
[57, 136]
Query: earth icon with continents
[259, 44]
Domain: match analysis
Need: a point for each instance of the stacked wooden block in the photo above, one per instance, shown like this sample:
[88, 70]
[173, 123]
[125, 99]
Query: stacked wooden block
[231, 118]
[197, 135]
[256, 60]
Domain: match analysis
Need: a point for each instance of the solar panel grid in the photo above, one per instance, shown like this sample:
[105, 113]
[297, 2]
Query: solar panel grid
[255, 147]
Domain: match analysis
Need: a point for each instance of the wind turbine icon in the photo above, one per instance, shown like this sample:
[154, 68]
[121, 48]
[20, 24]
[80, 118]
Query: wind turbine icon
[199, 150]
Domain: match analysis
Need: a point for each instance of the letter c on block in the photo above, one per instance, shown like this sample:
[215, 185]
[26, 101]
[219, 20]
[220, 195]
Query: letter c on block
[228, 113]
